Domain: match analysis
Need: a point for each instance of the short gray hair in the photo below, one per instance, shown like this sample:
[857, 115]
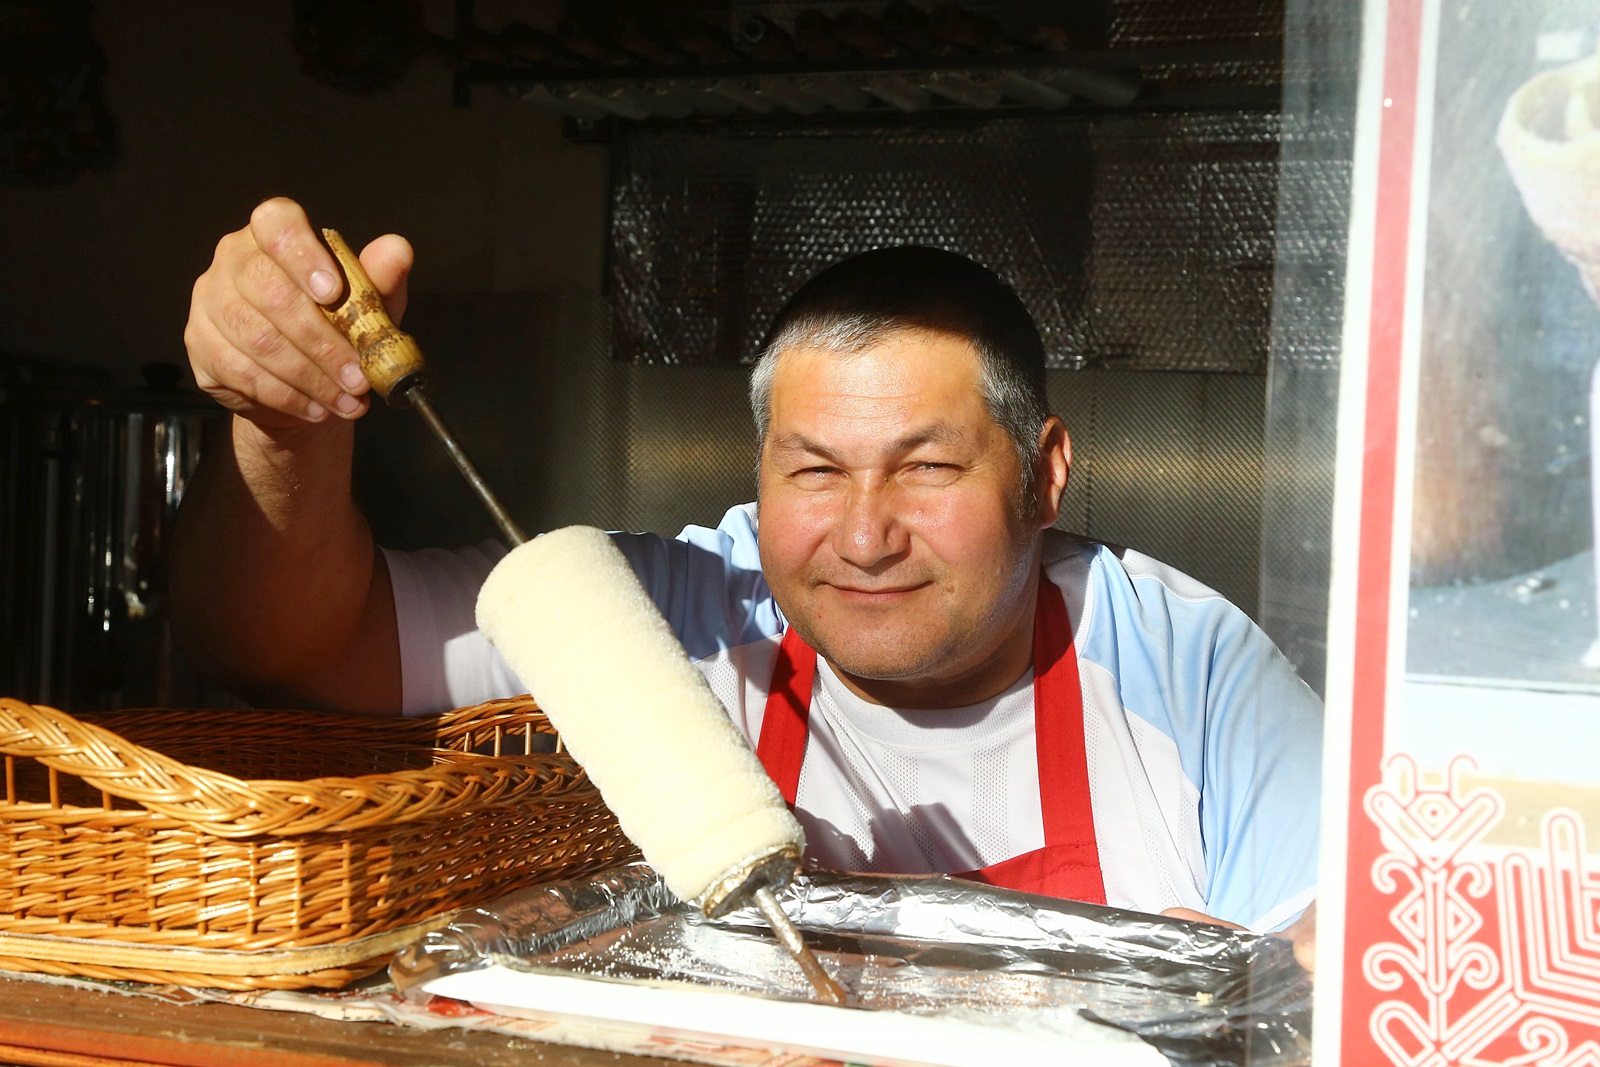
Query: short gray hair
[857, 303]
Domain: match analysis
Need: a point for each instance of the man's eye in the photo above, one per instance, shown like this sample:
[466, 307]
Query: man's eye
[932, 473]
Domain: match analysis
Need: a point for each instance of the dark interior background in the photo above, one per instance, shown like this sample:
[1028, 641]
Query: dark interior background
[599, 377]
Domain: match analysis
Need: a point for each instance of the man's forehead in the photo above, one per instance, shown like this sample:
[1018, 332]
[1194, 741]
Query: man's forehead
[913, 389]
[918, 356]
[939, 432]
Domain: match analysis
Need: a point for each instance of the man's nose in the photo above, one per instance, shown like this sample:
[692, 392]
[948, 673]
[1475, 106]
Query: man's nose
[870, 532]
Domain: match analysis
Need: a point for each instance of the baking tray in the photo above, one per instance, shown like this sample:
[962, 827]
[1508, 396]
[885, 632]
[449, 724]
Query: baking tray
[936, 959]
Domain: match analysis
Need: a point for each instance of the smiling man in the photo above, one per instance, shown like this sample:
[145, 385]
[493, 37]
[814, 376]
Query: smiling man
[899, 539]
[936, 678]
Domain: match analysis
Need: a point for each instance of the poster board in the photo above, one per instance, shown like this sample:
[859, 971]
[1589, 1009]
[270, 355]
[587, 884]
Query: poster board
[1460, 915]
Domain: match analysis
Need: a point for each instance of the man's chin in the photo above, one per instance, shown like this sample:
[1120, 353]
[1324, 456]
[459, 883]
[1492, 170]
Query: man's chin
[870, 671]
[879, 663]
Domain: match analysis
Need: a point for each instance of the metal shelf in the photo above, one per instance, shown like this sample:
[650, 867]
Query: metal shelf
[597, 79]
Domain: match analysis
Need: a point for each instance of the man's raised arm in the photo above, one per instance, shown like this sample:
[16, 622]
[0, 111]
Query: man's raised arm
[276, 584]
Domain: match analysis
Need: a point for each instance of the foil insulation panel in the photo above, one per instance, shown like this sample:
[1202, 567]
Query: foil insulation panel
[1162, 23]
[1139, 241]
[1170, 465]
[926, 945]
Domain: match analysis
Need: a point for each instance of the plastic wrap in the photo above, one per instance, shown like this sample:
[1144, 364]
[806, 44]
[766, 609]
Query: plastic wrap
[925, 945]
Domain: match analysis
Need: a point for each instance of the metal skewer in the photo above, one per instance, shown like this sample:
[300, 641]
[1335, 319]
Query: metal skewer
[828, 991]
[417, 397]
[392, 362]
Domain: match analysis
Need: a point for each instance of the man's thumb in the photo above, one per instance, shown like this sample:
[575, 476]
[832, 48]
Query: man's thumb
[387, 261]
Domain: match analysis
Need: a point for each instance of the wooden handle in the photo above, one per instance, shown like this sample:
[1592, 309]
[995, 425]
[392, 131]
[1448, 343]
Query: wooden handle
[390, 357]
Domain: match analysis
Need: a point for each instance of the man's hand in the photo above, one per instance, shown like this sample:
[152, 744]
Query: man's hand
[257, 340]
[1302, 932]
[1199, 917]
[276, 584]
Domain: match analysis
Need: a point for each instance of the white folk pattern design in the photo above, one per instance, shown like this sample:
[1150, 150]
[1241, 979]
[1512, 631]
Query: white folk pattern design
[1498, 956]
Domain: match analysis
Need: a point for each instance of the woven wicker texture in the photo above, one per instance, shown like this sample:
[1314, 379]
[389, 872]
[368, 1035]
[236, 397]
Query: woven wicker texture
[142, 828]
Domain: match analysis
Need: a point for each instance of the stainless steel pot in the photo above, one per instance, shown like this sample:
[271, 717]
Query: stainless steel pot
[90, 479]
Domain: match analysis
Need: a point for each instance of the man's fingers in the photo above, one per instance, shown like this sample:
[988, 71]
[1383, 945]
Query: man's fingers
[222, 369]
[296, 345]
[1303, 933]
[241, 384]
[1199, 917]
[387, 261]
[258, 339]
[276, 324]
[283, 232]
[1305, 953]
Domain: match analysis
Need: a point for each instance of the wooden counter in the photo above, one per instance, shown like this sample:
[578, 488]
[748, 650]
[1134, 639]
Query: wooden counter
[45, 1025]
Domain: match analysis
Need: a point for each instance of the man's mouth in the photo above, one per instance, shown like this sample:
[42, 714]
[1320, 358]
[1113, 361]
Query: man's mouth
[875, 594]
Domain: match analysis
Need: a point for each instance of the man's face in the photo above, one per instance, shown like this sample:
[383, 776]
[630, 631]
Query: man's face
[891, 524]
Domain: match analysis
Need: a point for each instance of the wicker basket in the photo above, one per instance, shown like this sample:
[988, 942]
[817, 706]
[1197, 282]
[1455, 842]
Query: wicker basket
[273, 849]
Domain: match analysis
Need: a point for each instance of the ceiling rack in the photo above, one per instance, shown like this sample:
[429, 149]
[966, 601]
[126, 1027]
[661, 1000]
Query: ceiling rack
[867, 62]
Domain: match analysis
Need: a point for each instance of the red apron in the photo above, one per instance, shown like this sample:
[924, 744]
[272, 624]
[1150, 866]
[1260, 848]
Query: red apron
[1068, 866]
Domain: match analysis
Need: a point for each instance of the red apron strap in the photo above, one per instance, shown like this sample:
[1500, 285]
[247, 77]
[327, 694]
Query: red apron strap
[1058, 724]
[781, 747]
[1064, 796]
[1069, 864]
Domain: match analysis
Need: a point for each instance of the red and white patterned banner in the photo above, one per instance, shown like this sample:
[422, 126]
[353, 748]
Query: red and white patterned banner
[1461, 889]
[1489, 955]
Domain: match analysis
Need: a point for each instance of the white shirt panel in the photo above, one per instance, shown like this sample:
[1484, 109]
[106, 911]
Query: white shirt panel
[907, 791]
[1137, 809]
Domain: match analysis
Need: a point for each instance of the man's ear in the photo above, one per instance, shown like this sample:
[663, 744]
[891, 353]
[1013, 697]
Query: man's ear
[1055, 465]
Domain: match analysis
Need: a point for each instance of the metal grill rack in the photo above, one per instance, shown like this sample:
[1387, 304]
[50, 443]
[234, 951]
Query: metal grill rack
[833, 63]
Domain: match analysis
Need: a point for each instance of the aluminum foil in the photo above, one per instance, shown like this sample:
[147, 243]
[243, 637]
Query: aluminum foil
[919, 944]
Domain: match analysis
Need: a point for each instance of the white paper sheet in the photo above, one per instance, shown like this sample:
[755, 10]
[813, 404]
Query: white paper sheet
[877, 1038]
